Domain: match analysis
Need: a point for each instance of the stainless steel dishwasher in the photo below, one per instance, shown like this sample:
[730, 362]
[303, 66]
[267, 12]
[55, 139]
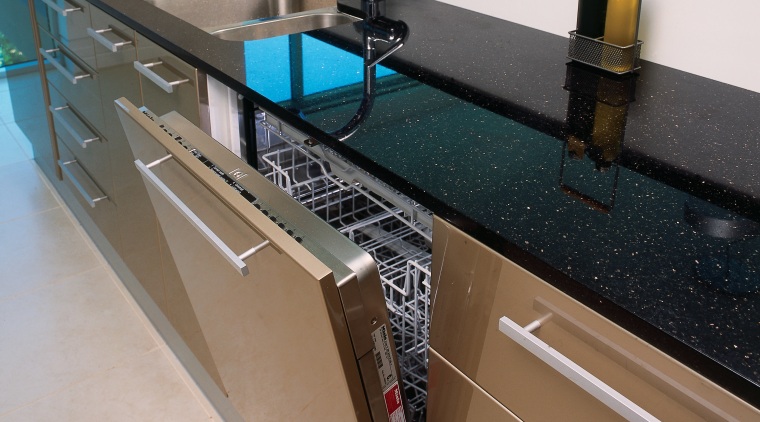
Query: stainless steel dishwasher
[303, 321]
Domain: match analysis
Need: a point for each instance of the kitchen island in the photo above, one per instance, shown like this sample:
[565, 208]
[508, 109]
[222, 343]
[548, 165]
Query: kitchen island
[479, 120]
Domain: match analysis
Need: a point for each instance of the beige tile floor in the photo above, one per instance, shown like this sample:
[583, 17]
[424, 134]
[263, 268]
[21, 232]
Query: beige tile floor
[73, 343]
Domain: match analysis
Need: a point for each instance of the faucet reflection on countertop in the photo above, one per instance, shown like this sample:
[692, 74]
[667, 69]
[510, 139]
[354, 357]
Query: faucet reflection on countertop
[597, 113]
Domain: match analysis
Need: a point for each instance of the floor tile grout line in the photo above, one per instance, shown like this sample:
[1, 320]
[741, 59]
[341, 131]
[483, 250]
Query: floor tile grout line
[19, 141]
[31, 214]
[46, 284]
[95, 374]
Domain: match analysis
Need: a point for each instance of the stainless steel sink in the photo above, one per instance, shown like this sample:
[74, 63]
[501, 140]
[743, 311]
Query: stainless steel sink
[214, 14]
[281, 25]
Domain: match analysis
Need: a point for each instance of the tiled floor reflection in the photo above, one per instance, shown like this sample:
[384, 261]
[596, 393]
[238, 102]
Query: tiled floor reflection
[73, 345]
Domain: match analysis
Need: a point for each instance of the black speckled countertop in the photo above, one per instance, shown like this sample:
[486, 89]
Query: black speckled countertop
[639, 195]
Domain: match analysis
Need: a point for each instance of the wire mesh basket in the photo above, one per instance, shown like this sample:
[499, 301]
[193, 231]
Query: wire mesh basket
[397, 240]
[595, 52]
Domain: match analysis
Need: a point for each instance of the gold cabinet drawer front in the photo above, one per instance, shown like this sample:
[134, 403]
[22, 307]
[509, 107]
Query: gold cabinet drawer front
[452, 397]
[184, 97]
[89, 194]
[67, 21]
[475, 287]
[87, 144]
[74, 80]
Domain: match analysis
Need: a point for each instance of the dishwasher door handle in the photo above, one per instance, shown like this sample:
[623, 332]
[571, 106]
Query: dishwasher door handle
[571, 370]
[234, 259]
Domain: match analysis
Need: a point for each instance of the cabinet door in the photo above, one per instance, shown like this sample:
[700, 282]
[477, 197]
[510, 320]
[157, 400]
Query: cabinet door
[168, 83]
[268, 310]
[538, 351]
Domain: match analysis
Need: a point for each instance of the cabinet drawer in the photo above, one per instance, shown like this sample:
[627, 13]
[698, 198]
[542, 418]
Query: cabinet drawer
[116, 78]
[74, 80]
[67, 21]
[87, 144]
[452, 397]
[88, 193]
[115, 43]
[476, 287]
[168, 83]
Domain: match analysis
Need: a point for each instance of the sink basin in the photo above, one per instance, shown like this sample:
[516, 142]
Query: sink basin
[214, 14]
[282, 25]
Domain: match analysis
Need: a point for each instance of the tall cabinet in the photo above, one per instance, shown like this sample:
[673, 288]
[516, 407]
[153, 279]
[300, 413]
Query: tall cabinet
[93, 59]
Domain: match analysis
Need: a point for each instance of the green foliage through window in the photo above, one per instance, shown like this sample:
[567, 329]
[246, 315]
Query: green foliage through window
[9, 54]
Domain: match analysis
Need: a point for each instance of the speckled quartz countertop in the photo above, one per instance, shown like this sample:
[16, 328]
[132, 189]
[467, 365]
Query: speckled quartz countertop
[638, 196]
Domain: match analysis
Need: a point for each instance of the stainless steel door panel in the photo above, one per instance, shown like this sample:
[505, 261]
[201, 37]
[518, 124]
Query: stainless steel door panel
[277, 336]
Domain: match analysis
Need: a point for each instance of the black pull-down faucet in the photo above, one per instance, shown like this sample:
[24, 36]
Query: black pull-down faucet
[375, 27]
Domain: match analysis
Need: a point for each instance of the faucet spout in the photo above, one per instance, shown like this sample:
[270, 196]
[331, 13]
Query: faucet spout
[374, 29]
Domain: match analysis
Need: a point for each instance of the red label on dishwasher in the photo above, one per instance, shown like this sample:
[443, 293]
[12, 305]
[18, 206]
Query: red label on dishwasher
[394, 405]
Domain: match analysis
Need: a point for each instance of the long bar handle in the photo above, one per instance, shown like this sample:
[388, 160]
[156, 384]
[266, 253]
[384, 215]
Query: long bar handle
[60, 10]
[234, 259]
[572, 371]
[162, 83]
[64, 165]
[59, 117]
[65, 72]
[97, 35]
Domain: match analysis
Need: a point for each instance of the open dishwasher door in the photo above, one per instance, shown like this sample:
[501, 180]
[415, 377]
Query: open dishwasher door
[292, 311]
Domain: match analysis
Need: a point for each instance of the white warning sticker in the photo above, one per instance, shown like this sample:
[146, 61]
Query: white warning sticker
[386, 368]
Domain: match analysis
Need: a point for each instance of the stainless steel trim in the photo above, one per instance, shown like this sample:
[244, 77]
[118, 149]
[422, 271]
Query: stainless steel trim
[97, 35]
[61, 11]
[57, 113]
[234, 259]
[69, 76]
[144, 69]
[572, 371]
[92, 200]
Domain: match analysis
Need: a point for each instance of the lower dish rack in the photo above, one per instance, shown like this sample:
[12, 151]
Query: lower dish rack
[391, 227]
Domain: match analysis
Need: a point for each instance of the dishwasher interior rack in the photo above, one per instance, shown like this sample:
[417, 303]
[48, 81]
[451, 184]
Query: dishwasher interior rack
[390, 226]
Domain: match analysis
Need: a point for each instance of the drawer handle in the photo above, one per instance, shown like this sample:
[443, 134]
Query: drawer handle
[65, 72]
[162, 83]
[632, 363]
[60, 118]
[579, 376]
[234, 259]
[60, 10]
[97, 35]
[90, 199]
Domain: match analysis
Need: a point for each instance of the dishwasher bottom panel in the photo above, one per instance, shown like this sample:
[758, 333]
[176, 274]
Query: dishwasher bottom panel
[390, 227]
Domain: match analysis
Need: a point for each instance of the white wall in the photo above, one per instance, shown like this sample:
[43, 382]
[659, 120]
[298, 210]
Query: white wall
[713, 39]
